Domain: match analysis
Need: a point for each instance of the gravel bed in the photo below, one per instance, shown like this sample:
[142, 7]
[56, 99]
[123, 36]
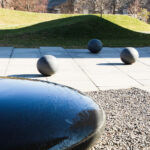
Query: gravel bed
[127, 119]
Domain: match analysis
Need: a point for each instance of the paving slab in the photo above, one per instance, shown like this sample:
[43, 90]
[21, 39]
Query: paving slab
[73, 76]
[26, 53]
[107, 71]
[3, 65]
[5, 54]
[58, 52]
[23, 64]
[78, 68]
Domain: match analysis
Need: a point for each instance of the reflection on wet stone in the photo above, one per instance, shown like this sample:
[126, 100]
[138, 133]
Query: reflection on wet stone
[86, 119]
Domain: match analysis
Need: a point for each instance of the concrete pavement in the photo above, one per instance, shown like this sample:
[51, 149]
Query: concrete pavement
[78, 68]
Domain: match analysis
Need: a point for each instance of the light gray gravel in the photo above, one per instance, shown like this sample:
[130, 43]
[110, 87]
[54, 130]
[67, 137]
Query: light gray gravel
[127, 119]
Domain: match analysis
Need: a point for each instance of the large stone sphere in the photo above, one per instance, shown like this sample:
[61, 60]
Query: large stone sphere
[95, 46]
[47, 65]
[38, 115]
[129, 55]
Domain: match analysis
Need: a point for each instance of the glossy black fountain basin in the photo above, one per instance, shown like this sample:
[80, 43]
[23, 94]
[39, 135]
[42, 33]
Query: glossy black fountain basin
[38, 115]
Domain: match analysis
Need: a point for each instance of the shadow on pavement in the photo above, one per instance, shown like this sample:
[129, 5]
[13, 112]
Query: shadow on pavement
[27, 75]
[109, 64]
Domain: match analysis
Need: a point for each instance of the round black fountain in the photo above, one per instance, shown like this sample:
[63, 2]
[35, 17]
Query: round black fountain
[36, 115]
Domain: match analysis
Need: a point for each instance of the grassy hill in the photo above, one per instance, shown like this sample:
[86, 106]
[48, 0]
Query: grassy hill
[128, 22]
[26, 29]
[12, 19]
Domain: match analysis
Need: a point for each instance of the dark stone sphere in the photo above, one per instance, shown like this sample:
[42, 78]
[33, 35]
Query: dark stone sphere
[38, 115]
[47, 65]
[95, 46]
[129, 55]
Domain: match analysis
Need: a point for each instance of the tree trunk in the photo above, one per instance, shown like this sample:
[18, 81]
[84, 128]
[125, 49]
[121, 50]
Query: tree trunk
[114, 6]
[2, 3]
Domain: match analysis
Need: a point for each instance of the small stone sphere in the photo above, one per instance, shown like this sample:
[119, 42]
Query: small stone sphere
[129, 55]
[95, 46]
[47, 65]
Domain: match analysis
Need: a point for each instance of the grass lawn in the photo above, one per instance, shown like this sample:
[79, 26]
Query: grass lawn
[26, 29]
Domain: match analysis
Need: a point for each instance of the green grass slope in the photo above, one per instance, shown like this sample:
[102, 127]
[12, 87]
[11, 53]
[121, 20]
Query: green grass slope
[12, 19]
[73, 32]
[128, 22]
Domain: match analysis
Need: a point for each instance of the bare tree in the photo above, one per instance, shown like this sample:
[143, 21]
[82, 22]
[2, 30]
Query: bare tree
[30, 5]
[41, 6]
[81, 5]
[134, 7]
[100, 5]
[2, 3]
[67, 7]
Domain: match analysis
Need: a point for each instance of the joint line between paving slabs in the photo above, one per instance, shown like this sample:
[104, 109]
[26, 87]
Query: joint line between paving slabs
[127, 74]
[144, 63]
[11, 54]
[83, 70]
[40, 52]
